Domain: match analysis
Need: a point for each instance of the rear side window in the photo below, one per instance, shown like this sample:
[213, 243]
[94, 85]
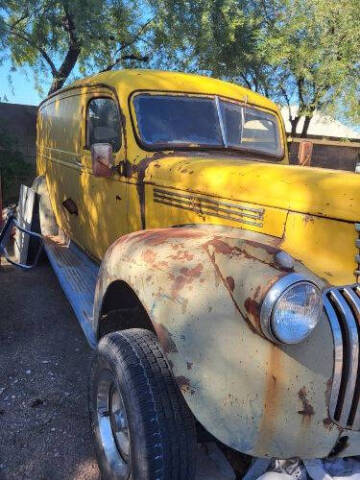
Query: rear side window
[103, 123]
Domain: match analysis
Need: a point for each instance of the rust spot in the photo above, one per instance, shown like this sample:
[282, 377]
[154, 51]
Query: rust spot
[328, 424]
[308, 218]
[192, 272]
[165, 339]
[221, 247]
[189, 365]
[328, 391]
[182, 255]
[252, 307]
[187, 277]
[184, 384]
[231, 283]
[264, 246]
[163, 235]
[253, 328]
[271, 398]
[308, 409]
[149, 256]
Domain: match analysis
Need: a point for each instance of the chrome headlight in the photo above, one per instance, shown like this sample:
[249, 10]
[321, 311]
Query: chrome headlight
[291, 309]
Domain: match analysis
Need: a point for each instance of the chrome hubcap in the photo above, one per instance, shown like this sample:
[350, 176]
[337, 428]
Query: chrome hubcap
[119, 424]
[113, 425]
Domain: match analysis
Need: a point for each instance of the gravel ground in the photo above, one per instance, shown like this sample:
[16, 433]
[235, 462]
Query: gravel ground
[44, 366]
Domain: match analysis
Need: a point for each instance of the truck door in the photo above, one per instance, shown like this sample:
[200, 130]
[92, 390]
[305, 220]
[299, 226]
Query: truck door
[103, 202]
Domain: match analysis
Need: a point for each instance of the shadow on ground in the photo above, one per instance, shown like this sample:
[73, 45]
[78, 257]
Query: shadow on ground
[44, 365]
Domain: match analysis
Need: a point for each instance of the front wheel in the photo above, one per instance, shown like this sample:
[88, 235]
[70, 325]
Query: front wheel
[143, 428]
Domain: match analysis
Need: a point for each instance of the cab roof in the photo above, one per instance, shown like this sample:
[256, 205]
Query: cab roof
[128, 81]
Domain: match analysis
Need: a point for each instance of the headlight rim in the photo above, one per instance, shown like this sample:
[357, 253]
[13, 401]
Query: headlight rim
[271, 298]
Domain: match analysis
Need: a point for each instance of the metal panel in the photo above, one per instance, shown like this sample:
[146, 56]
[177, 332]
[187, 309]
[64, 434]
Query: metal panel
[25, 217]
[77, 275]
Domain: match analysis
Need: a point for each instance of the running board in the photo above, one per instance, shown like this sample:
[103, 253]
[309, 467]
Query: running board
[77, 275]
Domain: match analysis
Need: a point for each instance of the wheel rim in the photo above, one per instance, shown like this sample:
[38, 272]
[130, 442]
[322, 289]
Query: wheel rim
[119, 423]
[113, 425]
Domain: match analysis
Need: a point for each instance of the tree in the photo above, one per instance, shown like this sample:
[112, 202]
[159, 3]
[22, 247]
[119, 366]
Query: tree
[57, 35]
[311, 47]
[301, 53]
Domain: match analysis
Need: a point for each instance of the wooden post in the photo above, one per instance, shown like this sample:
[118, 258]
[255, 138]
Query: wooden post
[305, 153]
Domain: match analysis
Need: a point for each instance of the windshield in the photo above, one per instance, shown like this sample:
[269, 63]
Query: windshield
[190, 121]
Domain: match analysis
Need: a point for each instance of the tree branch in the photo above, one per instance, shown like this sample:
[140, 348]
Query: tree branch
[72, 54]
[135, 37]
[40, 49]
[145, 58]
[19, 20]
[245, 79]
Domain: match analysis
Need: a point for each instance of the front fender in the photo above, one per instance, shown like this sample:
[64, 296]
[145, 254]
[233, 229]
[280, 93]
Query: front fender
[202, 290]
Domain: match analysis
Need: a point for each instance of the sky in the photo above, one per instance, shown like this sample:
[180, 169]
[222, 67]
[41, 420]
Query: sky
[21, 89]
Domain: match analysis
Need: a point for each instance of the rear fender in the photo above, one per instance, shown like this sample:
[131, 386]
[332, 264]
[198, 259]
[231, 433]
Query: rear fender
[203, 291]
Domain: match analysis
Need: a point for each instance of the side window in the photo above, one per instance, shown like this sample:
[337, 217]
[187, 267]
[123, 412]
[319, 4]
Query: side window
[103, 123]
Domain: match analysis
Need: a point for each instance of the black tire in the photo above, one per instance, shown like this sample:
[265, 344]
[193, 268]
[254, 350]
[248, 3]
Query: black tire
[159, 423]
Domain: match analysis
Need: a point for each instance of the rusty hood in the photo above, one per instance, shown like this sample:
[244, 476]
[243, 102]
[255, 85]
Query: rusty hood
[315, 191]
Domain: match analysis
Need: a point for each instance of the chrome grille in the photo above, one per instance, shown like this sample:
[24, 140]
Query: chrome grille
[342, 306]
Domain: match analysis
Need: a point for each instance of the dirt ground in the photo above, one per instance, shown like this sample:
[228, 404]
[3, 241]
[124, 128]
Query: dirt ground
[44, 365]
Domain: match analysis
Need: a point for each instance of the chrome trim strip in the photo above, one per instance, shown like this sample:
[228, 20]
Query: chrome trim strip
[352, 337]
[205, 206]
[354, 301]
[338, 354]
[209, 200]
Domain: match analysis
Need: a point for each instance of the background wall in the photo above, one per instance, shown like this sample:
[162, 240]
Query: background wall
[20, 122]
[17, 148]
[329, 154]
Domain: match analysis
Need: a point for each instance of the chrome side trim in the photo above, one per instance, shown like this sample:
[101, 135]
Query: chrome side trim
[354, 301]
[351, 334]
[207, 206]
[338, 354]
[342, 306]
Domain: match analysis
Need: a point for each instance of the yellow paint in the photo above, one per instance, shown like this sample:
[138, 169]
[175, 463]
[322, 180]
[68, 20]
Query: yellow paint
[310, 211]
[327, 247]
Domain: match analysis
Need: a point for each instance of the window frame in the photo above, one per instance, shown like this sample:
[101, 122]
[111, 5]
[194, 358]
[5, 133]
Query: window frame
[226, 149]
[116, 103]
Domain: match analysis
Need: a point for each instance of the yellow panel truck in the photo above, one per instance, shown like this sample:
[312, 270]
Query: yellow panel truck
[217, 283]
